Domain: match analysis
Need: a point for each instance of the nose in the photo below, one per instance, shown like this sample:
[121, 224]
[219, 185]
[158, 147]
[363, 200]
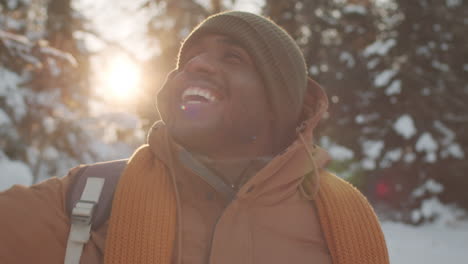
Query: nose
[202, 62]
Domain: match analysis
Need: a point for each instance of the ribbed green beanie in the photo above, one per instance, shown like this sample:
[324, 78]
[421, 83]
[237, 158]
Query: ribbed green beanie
[276, 56]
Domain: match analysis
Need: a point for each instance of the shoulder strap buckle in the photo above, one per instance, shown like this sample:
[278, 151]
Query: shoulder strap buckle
[81, 217]
[86, 206]
[83, 212]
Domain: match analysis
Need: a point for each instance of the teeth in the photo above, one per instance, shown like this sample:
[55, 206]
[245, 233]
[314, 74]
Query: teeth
[200, 92]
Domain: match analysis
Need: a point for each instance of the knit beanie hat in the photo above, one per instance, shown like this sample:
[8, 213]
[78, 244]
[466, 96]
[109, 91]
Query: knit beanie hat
[277, 57]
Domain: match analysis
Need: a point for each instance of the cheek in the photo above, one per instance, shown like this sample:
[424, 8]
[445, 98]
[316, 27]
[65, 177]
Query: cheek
[249, 98]
[255, 94]
[172, 90]
[248, 82]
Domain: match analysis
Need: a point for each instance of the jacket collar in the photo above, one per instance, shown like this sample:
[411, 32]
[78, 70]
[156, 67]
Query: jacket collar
[301, 158]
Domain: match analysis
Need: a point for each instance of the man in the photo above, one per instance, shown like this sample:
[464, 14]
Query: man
[229, 176]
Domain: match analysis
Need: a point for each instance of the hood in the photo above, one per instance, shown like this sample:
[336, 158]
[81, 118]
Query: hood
[299, 162]
[298, 165]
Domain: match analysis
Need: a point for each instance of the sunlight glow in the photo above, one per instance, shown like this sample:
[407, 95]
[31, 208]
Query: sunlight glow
[121, 79]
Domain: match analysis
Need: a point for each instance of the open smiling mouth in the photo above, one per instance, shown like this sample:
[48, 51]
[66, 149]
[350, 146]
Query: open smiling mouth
[197, 95]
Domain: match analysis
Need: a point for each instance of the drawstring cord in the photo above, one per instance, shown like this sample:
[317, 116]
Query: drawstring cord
[309, 193]
[178, 259]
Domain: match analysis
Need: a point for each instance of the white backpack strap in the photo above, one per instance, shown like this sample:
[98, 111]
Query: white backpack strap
[81, 217]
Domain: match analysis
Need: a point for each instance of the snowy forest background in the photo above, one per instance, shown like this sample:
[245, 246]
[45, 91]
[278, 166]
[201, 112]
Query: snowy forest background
[396, 73]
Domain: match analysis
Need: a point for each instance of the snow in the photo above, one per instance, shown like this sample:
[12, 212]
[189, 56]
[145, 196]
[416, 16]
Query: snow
[347, 58]
[426, 143]
[394, 155]
[405, 126]
[49, 124]
[449, 135]
[433, 210]
[242, 5]
[426, 91]
[393, 88]
[431, 157]
[355, 9]
[336, 151]
[11, 4]
[444, 46]
[453, 3]
[340, 153]
[440, 66]
[13, 24]
[59, 54]
[12, 96]
[390, 157]
[123, 119]
[409, 157]
[379, 47]
[323, 67]
[372, 63]
[359, 119]
[368, 164]
[366, 118]
[50, 153]
[14, 172]
[443, 240]
[454, 150]
[305, 32]
[15, 100]
[4, 119]
[428, 244]
[430, 186]
[450, 148]
[314, 70]
[254, 6]
[431, 207]
[433, 186]
[72, 139]
[53, 67]
[10, 81]
[32, 154]
[372, 148]
[384, 77]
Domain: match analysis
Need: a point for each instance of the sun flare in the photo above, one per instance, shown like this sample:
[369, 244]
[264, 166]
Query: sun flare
[121, 78]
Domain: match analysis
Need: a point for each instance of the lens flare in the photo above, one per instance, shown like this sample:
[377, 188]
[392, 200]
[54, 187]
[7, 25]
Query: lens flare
[122, 78]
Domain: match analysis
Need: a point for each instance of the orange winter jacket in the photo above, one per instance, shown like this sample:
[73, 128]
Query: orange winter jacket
[291, 211]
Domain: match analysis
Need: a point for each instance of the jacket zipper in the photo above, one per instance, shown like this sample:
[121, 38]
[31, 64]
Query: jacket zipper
[215, 227]
[217, 220]
[179, 214]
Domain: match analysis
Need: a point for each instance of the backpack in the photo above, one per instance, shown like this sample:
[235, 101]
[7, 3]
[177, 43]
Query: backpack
[89, 203]
[88, 209]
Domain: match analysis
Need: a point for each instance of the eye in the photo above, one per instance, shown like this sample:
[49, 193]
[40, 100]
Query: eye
[233, 56]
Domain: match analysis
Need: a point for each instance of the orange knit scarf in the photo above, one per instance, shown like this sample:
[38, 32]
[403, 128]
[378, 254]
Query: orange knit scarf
[142, 225]
[143, 221]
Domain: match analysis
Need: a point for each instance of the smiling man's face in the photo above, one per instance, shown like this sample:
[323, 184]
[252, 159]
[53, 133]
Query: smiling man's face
[217, 102]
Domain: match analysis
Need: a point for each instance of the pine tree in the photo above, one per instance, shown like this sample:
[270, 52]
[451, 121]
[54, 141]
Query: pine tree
[395, 74]
[427, 90]
[332, 35]
[45, 124]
